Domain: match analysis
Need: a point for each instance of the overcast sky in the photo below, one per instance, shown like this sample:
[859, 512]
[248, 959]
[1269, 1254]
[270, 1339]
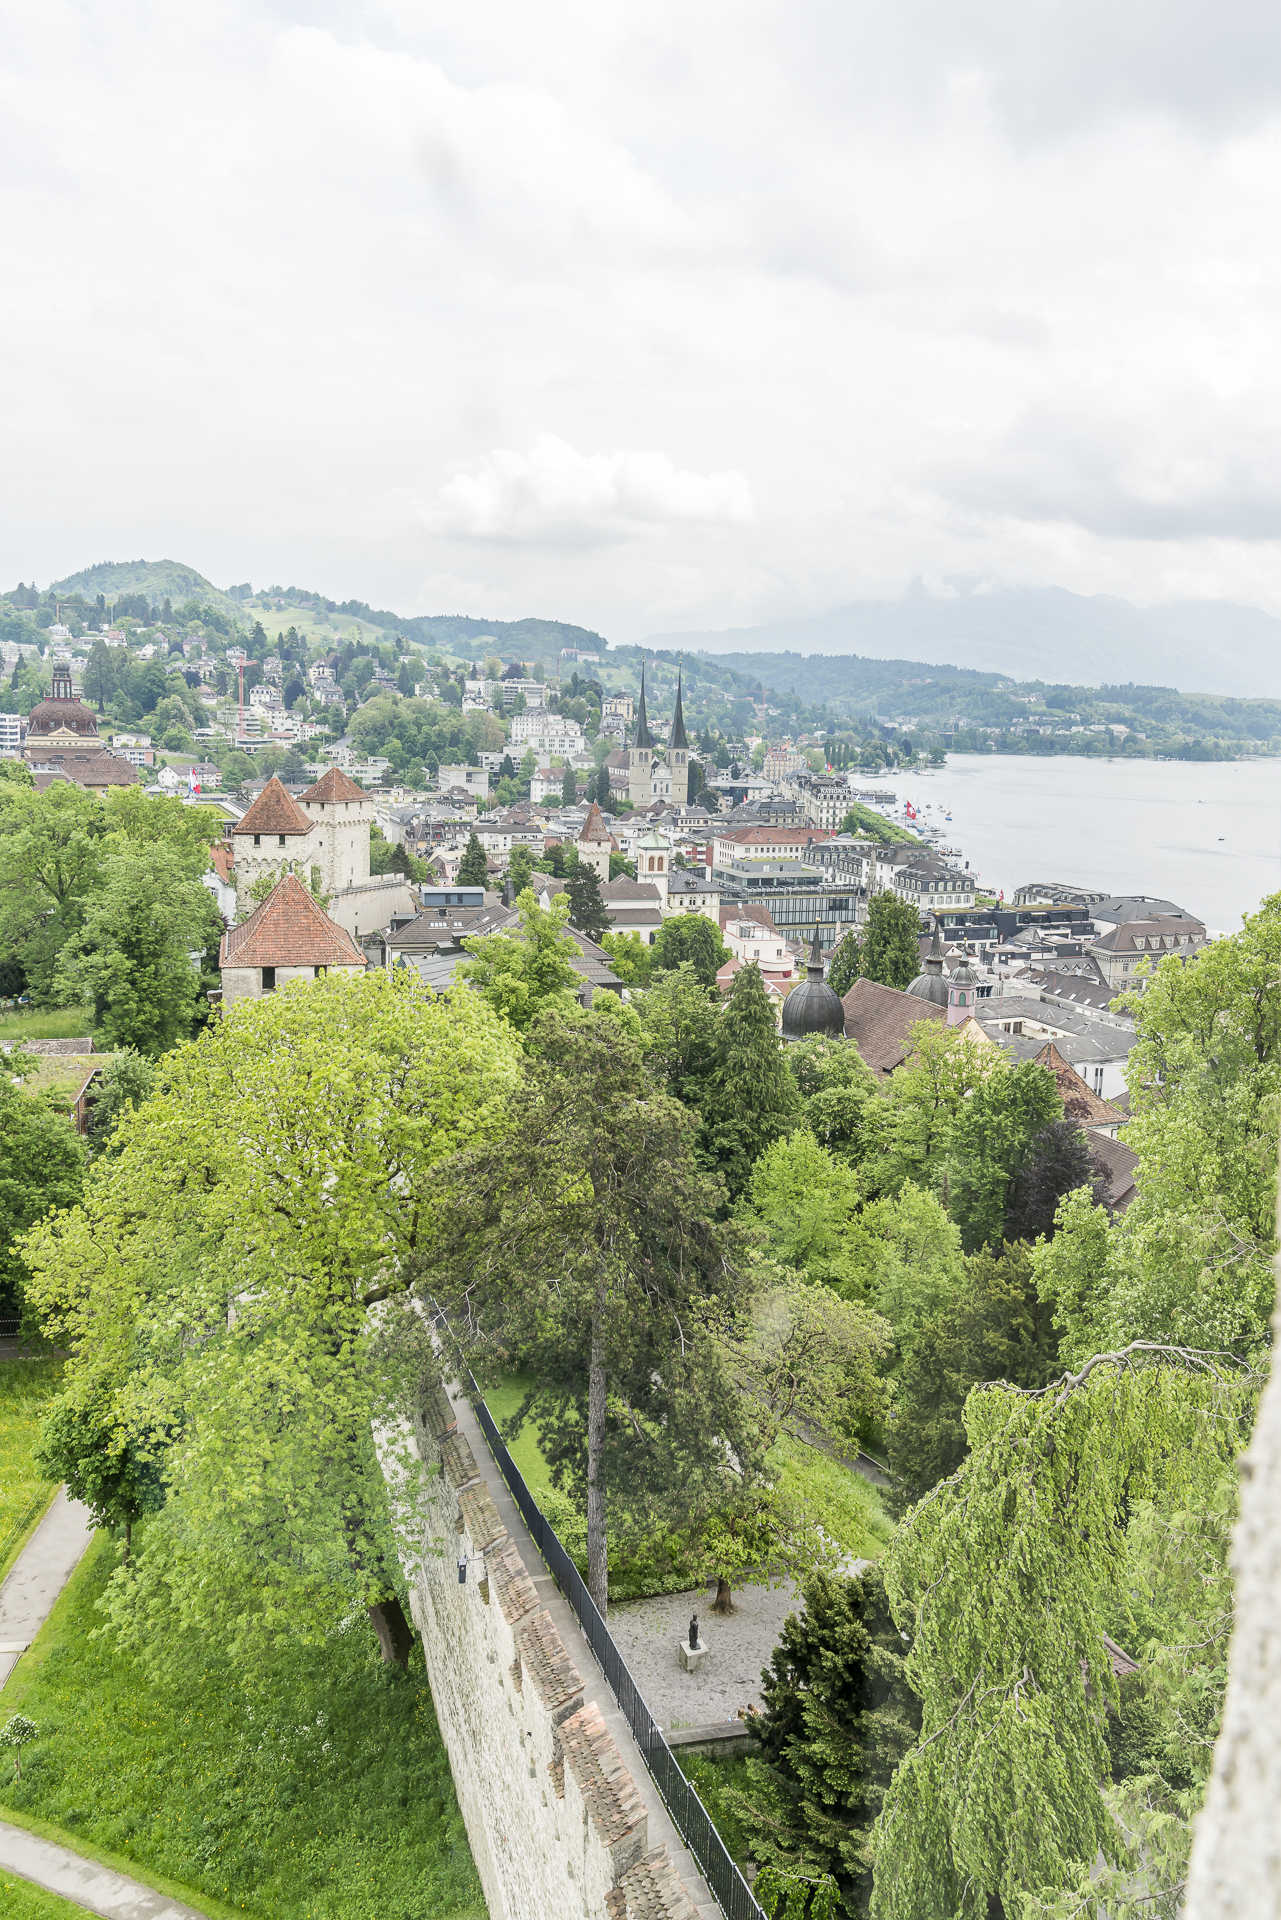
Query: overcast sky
[644, 316]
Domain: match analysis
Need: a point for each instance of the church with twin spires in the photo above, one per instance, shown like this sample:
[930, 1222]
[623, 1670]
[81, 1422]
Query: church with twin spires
[666, 779]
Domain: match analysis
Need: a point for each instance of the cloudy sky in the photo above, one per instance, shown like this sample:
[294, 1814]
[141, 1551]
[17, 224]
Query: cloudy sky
[648, 315]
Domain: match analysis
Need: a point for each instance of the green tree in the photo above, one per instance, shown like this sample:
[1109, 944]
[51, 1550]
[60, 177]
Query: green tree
[841, 1100]
[521, 973]
[130, 962]
[925, 1095]
[694, 940]
[587, 910]
[568, 787]
[890, 949]
[473, 870]
[83, 1446]
[1005, 1581]
[995, 1328]
[100, 674]
[42, 1161]
[559, 1252]
[233, 1290]
[996, 1136]
[126, 1081]
[51, 857]
[751, 1100]
[845, 965]
[630, 957]
[807, 1201]
[136, 821]
[680, 1031]
[837, 1716]
[520, 869]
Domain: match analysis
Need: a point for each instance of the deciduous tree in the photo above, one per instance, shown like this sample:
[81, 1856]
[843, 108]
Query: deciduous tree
[691, 939]
[234, 1283]
[890, 948]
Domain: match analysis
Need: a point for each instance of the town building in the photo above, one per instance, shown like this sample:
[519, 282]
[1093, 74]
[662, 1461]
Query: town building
[595, 843]
[633, 906]
[813, 1009]
[62, 743]
[640, 759]
[287, 937]
[1131, 946]
[782, 760]
[677, 759]
[547, 733]
[931, 886]
[324, 835]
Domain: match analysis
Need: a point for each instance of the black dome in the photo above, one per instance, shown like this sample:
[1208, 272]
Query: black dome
[813, 1007]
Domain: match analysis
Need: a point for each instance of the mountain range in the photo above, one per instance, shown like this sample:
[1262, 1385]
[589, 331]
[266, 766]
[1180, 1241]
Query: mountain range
[1034, 633]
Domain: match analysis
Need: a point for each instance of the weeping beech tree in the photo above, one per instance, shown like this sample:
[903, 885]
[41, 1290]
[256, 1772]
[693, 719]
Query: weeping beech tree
[582, 1248]
[233, 1289]
[1004, 1580]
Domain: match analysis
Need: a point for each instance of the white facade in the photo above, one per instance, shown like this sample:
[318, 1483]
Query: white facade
[548, 733]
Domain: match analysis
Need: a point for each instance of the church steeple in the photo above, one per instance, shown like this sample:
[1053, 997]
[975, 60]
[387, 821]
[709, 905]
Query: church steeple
[644, 738]
[678, 719]
[640, 758]
[678, 751]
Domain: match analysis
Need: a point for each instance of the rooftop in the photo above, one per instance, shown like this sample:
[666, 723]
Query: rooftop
[289, 929]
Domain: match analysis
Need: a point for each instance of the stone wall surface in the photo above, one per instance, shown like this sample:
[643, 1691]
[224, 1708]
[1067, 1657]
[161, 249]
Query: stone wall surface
[556, 1823]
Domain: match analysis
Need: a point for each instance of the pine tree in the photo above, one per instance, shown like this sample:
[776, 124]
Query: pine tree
[586, 908]
[473, 870]
[751, 1100]
[891, 950]
[519, 870]
[568, 787]
[838, 1715]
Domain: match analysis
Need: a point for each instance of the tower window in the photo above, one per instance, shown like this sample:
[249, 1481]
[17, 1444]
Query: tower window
[281, 838]
[257, 839]
[269, 979]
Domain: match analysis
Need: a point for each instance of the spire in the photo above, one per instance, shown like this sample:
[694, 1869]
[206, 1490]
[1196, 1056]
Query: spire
[934, 958]
[814, 970]
[678, 719]
[644, 738]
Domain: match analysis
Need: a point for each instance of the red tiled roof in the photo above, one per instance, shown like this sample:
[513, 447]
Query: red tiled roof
[1079, 1101]
[220, 861]
[273, 812]
[332, 786]
[594, 827]
[289, 930]
[879, 1020]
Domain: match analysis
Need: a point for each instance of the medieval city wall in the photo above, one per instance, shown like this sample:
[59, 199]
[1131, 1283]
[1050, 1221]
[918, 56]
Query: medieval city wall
[556, 1825]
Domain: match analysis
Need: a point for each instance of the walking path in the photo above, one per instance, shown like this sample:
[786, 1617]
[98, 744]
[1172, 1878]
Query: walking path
[37, 1577]
[100, 1889]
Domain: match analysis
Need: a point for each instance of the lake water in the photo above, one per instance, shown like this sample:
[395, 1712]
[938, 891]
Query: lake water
[1206, 835]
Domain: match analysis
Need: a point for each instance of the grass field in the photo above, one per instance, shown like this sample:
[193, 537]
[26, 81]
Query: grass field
[314, 1786]
[26, 1386]
[849, 1507]
[57, 1023]
[19, 1900]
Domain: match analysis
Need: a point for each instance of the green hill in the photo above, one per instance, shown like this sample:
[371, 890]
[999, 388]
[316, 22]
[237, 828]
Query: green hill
[158, 579]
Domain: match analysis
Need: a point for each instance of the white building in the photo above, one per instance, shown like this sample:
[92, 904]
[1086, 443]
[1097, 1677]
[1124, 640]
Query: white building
[287, 937]
[475, 779]
[10, 735]
[547, 733]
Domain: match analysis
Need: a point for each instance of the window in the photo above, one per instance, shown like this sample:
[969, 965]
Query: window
[281, 838]
[1098, 1080]
[269, 979]
[257, 839]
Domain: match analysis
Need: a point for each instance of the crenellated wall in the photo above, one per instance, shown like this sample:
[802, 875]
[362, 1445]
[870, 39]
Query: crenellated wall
[557, 1827]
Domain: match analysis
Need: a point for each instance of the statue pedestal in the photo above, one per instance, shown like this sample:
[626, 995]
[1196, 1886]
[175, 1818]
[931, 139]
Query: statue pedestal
[691, 1658]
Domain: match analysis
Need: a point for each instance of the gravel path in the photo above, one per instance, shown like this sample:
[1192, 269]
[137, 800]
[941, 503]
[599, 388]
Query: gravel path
[647, 1633]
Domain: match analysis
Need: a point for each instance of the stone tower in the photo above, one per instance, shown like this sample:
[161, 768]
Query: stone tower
[640, 757]
[678, 752]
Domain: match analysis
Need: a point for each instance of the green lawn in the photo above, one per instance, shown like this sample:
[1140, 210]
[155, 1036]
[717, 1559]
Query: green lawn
[849, 1507]
[58, 1023]
[26, 1386]
[22, 1901]
[313, 1787]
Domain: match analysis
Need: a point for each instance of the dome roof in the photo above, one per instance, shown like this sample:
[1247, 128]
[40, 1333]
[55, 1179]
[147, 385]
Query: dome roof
[964, 976]
[931, 987]
[813, 1007]
[62, 716]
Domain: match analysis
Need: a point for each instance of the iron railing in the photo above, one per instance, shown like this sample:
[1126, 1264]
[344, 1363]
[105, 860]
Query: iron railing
[690, 1816]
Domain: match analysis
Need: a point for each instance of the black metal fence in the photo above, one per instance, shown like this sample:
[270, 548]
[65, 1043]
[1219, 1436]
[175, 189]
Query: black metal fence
[687, 1810]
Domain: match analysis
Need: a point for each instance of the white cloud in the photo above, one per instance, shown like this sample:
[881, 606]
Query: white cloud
[555, 494]
[295, 289]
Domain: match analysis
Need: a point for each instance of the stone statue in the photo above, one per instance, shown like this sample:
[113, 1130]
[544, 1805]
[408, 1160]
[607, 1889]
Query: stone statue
[693, 1632]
